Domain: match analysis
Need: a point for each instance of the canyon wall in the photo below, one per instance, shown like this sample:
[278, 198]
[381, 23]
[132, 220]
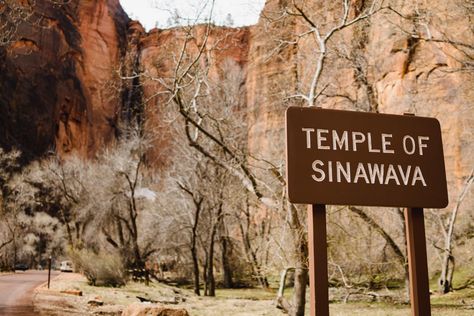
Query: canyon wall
[57, 75]
[158, 54]
[413, 57]
[71, 75]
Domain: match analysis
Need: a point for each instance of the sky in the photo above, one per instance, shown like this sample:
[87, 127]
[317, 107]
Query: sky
[162, 13]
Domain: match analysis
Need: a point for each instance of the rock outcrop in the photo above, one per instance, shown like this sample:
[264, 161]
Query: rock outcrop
[414, 57]
[70, 75]
[57, 75]
[158, 53]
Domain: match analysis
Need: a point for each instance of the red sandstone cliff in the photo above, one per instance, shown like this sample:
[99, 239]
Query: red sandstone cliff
[60, 86]
[68, 75]
[57, 74]
[417, 59]
[159, 52]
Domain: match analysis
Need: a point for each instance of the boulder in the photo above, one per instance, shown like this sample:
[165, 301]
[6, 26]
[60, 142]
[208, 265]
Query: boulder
[96, 301]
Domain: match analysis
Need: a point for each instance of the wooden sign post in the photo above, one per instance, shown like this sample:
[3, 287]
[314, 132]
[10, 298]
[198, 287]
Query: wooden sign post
[318, 260]
[417, 262]
[357, 158]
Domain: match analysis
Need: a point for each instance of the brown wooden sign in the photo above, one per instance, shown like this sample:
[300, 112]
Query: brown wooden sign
[358, 158]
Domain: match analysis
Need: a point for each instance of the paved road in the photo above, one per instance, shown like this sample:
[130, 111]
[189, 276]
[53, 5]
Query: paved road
[16, 292]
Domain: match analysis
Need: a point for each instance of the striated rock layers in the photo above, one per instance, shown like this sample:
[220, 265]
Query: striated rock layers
[60, 85]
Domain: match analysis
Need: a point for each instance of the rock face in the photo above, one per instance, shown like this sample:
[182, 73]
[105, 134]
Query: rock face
[67, 75]
[60, 85]
[157, 55]
[57, 74]
[417, 59]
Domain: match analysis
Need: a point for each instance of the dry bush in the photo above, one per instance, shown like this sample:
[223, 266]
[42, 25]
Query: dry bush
[103, 269]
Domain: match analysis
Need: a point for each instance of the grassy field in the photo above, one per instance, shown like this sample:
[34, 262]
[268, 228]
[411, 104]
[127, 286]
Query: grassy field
[236, 302]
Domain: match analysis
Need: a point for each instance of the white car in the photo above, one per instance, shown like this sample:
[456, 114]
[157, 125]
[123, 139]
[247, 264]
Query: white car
[66, 266]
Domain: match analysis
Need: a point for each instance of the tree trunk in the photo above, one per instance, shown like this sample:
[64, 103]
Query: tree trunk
[15, 255]
[407, 282]
[281, 302]
[204, 274]
[197, 200]
[211, 282]
[447, 270]
[210, 264]
[195, 267]
[250, 253]
[194, 254]
[210, 270]
[299, 291]
[262, 279]
[300, 244]
[227, 269]
[68, 229]
[451, 273]
[445, 281]
[401, 215]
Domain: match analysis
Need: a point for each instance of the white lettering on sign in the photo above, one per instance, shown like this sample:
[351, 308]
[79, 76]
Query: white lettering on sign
[418, 177]
[391, 175]
[346, 172]
[340, 141]
[321, 138]
[357, 138]
[409, 145]
[369, 139]
[322, 175]
[376, 172]
[308, 136]
[330, 171]
[385, 143]
[421, 144]
[360, 173]
[370, 173]
[405, 175]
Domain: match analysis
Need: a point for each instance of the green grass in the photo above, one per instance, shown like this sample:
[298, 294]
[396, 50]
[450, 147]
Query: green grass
[455, 298]
[462, 278]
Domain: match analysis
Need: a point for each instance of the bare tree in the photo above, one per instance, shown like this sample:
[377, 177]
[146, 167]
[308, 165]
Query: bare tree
[187, 89]
[351, 15]
[63, 184]
[125, 199]
[445, 281]
[110, 194]
[204, 185]
[197, 197]
[253, 242]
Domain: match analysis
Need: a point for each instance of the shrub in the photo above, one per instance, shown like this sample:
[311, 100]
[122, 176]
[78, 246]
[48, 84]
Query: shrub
[100, 270]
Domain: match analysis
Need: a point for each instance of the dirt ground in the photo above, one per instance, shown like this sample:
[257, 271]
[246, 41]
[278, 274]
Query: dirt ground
[248, 302]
